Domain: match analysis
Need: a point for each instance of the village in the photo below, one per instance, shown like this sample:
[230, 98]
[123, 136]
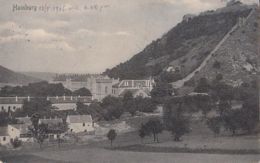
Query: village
[89, 91]
[80, 124]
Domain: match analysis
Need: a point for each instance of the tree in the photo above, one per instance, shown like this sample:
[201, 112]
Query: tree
[129, 103]
[142, 133]
[174, 120]
[154, 127]
[37, 105]
[179, 127]
[82, 92]
[203, 86]
[145, 104]
[112, 107]
[161, 91]
[203, 103]
[249, 114]
[216, 65]
[111, 135]
[39, 131]
[16, 143]
[232, 120]
[214, 124]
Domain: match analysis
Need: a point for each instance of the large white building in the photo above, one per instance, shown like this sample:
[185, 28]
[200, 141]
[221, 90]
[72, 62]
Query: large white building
[100, 86]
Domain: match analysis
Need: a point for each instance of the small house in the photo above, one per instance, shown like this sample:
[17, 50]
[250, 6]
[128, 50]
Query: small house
[80, 123]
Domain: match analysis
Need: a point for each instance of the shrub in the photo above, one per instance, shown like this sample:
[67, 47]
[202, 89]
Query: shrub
[16, 143]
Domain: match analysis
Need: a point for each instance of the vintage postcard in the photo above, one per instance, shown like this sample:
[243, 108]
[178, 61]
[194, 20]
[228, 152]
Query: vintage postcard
[134, 81]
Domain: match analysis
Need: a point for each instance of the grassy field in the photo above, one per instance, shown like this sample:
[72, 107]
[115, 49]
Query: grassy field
[98, 155]
[198, 146]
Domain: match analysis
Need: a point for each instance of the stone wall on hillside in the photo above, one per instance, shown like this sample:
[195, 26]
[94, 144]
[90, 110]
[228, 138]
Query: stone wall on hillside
[237, 56]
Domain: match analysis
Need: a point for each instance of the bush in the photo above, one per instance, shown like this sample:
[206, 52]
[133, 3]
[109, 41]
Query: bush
[16, 143]
[214, 124]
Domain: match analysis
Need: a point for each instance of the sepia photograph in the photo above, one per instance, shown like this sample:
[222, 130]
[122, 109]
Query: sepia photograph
[130, 81]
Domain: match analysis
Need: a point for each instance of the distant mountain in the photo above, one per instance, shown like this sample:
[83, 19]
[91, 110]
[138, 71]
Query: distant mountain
[13, 78]
[201, 45]
[47, 76]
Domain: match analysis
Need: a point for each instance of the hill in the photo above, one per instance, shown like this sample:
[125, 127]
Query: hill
[47, 76]
[13, 78]
[190, 44]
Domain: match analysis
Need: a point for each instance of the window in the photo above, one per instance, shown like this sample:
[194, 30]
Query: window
[83, 124]
[71, 130]
[3, 108]
[4, 138]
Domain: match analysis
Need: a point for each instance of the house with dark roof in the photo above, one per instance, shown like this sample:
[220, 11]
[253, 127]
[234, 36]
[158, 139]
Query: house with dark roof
[80, 123]
[55, 127]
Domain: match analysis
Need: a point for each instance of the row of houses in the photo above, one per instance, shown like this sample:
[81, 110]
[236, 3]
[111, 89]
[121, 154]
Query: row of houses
[11, 104]
[75, 124]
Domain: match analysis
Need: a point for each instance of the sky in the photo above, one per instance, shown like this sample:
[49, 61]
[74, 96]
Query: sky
[85, 36]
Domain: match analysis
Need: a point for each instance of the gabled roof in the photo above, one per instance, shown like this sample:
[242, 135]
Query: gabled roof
[23, 128]
[12, 100]
[51, 121]
[24, 120]
[116, 85]
[79, 119]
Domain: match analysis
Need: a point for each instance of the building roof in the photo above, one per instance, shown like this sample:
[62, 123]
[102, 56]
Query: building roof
[53, 100]
[116, 85]
[3, 131]
[24, 120]
[79, 118]
[12, 100]
[104, 80]
[23, 128]
[51, 121]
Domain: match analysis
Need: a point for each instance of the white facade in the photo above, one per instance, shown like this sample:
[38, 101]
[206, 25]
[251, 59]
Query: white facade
[5, 140]
[80, 123]
[10, 107]
[19, 131]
